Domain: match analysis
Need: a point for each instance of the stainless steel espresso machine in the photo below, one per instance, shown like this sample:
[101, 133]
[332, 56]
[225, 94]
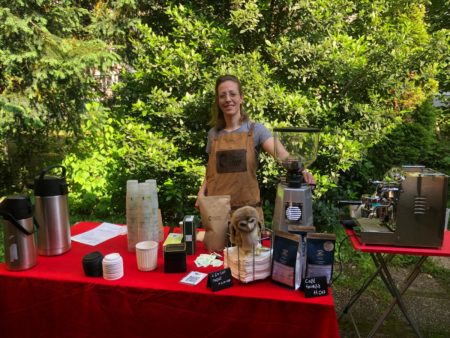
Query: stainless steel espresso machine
[406, 209]
[296, 149]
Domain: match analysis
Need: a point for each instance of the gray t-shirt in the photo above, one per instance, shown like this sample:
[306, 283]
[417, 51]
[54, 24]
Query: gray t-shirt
[260, 135]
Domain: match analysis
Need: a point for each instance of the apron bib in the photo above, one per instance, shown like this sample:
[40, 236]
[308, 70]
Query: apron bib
[232, 167]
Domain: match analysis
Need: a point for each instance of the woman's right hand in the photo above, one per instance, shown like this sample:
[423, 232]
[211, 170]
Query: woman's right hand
[200, 194]
[197, 203]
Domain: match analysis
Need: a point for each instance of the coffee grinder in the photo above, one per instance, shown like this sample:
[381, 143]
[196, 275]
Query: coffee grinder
[296, 149]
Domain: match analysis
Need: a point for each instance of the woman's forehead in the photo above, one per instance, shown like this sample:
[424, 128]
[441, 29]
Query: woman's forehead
[228, 86]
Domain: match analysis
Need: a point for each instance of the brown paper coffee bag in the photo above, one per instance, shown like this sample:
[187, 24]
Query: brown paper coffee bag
[215, 214]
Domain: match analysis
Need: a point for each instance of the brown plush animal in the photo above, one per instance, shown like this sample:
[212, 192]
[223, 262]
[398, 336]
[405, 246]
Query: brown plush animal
[245, 229]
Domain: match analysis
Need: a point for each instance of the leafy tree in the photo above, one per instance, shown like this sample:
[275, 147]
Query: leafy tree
[356, 69]
[46, 76]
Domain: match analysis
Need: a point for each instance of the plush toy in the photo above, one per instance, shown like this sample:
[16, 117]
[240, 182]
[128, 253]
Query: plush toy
[245, 229]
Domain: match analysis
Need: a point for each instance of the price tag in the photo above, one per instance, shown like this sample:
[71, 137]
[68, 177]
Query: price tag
[219, 280]
[315, 287]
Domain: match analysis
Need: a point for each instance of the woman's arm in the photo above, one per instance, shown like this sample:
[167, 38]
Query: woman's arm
[277, 151]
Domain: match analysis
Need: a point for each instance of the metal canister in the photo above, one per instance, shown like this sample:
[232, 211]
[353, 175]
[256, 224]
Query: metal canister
[52, 212]
[18, 229]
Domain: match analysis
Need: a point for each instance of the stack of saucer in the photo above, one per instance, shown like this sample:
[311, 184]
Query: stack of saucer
[112, 266]
[248, 267]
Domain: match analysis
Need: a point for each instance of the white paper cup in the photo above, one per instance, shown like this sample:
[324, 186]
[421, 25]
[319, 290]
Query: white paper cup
[147, 255]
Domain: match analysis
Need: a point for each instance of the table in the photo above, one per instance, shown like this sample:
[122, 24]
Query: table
[381, 256]
[56, 299]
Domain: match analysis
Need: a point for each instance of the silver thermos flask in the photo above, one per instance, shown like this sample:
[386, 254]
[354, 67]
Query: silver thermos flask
[18, 230]
[52, 212]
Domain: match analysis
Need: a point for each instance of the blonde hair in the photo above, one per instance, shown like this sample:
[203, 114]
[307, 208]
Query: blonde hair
[217, 117]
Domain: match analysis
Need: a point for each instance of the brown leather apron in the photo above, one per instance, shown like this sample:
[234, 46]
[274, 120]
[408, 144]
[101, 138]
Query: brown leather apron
[232, 167]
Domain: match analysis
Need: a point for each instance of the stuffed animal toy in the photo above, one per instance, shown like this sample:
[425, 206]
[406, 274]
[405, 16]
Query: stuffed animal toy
[245, 229]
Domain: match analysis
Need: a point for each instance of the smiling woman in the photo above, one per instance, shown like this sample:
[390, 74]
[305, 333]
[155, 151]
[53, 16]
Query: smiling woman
[234, 144]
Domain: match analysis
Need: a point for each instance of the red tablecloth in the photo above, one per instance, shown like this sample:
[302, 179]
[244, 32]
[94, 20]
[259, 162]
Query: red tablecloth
[400, 250]
[56, 299]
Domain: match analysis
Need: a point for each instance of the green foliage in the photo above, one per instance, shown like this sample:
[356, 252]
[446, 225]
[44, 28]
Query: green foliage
[414, 142]
[359, 70]
[46, 65]
[113, 150]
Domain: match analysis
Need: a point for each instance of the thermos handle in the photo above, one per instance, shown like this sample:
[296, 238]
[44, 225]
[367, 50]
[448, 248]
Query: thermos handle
[46, 170]
[19, 226]
[35, 222]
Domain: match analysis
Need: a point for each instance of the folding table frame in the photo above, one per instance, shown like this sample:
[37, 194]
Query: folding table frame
[381, 256]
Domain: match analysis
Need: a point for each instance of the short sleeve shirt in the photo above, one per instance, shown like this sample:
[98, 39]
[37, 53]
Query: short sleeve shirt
[260, 135]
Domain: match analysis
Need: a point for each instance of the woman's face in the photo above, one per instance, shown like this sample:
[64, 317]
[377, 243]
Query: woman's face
[229, 98]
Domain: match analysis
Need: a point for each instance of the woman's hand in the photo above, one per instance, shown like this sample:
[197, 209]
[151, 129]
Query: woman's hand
[197, 204]
[309, 178]
[200, 194]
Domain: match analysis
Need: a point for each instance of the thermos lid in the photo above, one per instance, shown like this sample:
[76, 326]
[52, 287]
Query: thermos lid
[50, 185]
[18, 206]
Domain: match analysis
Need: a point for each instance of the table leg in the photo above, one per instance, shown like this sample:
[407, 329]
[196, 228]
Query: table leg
[397, 295]
[407, 282]
[358, 293]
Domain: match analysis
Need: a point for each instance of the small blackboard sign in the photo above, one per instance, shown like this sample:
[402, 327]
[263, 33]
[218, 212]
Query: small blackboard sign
[219, 280]
[315, 286]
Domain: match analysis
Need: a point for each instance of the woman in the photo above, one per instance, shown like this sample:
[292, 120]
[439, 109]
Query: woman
[234, 143]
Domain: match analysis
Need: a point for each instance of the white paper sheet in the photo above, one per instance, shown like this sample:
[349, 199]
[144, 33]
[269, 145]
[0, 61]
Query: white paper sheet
[193, 278]
[100, 234]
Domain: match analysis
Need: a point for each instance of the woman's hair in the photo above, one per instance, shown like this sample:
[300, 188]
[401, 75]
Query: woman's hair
[217, 118]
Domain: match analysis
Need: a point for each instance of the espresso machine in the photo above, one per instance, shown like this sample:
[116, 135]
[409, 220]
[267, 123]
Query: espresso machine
[407, 208]
[296, 149]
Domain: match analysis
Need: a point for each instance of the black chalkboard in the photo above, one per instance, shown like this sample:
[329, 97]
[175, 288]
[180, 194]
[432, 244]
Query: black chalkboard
[315, 286]
[219, 280]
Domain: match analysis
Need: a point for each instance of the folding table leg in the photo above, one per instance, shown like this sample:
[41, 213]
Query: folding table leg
[390, 284]
[406, 284]
[358, 293]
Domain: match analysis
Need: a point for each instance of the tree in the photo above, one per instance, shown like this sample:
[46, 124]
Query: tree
[46, 64]
[356, 69]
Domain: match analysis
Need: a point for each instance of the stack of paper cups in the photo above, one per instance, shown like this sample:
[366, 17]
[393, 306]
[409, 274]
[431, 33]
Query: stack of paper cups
[132, 208]
[142, 212]
[153, 211]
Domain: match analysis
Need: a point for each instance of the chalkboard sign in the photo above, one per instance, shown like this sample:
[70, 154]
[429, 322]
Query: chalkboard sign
[219, 280]
[315, 287]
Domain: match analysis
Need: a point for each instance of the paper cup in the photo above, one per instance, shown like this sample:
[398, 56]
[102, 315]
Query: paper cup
[147, 255]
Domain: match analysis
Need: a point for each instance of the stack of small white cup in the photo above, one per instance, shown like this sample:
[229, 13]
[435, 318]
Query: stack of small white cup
[142, 212]
[132, 208]
[112, 265]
